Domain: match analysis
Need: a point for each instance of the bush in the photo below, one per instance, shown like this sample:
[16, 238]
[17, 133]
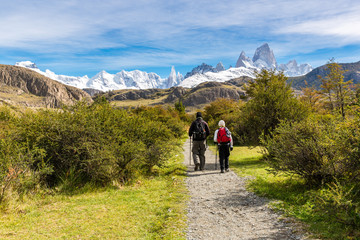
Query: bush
[21, 167]
[318, 150]
[97, 143]
[341, 204]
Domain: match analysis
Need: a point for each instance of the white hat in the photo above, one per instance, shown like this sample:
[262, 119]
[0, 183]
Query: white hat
[221, 123]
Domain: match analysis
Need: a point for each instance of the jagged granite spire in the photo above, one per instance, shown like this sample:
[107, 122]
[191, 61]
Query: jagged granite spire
[174, 79]
[264, 57]
[220, 67]
[244, 61]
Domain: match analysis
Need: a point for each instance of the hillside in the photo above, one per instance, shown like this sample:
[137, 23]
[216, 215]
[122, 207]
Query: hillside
[24, 87]
[352, 72]
[192, 98]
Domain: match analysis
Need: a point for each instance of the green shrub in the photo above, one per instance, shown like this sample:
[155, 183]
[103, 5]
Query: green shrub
[339, 202]
[96, 143]
[318, 150]
[21, 168]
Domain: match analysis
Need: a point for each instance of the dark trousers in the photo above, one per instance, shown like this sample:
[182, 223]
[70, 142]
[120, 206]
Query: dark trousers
[198, 150]
[224, 153]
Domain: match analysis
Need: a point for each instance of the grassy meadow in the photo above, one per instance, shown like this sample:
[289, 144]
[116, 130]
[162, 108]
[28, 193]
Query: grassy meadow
[151, 208]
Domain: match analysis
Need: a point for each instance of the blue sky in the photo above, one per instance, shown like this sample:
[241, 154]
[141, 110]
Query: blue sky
[78, 37]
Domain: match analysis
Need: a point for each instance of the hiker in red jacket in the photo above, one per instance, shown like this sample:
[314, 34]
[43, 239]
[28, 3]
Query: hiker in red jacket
[224, 141]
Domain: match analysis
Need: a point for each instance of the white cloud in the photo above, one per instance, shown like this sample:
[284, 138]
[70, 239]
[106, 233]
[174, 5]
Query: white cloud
[183, 30]
[343, 27]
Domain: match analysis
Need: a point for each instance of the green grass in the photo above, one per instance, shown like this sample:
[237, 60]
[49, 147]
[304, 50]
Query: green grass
[288, 194]
[150, 209]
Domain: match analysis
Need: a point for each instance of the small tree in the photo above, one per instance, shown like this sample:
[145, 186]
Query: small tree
[271, 100]
[335, 88]
[179, 106]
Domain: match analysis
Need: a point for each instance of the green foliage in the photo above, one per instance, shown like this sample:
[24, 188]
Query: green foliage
[318, 150]
[271, 100]
[223, 109]
[89, 143]
[340, 203]
[5, 113]
[335, 89]
[21, 167]
[179, 106]
[151, 208]
[330, 211]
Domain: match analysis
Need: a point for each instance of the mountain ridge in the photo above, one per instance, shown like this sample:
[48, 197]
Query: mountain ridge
[263, 58]
[352, 72]
[30, 82]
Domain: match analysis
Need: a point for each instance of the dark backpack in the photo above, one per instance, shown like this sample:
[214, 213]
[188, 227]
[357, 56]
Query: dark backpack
[222, 137]
[199, 131]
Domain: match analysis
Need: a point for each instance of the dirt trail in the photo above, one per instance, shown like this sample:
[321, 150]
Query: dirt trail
[221, 208]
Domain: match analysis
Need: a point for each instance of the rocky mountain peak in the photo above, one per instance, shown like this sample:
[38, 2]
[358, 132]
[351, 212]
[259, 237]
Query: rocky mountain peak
[244, 61]
[220, 67]
[264, 57]
[203, 68]
[292, 69]
[172, 79]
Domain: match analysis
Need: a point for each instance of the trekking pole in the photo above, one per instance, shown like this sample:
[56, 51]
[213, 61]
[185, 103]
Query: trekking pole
[190, 153]
[216, 157]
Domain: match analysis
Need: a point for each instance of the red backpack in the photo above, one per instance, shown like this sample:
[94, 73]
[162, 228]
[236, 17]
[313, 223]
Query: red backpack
[222, 137]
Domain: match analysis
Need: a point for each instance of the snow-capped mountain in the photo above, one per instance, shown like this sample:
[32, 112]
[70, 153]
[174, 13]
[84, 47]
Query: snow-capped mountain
[292, 69]
[222, 76]
[79, 82]
[220, 67]
[204, 68]
[173, 79]
[105, 81]
[244, 61]
[245, 66]
[264, 58]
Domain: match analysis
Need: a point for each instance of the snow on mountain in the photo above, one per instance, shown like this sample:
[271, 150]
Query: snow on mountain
[125, 80]
[204, 68]
[222, 76]
[79, 82]
[244, 61]
[292, 69]
[28, 64]
[105, 81]
[263, 58]
[173, 79]
[245, 66]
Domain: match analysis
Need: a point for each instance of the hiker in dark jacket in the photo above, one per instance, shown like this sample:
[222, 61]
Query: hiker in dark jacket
[199, 131]
[223, 139]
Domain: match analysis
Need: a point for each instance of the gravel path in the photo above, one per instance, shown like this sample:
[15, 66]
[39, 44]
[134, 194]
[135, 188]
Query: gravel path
[221, 208]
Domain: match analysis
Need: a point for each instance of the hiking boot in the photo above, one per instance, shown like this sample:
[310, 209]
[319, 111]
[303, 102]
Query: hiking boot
[227, 170]
[197, 166]
[222, 170]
